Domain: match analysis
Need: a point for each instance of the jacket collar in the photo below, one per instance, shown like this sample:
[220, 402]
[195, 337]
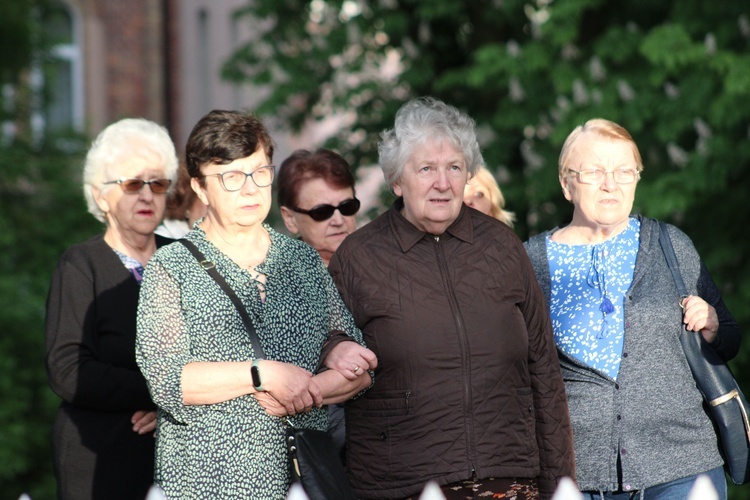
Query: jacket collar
[408, 235]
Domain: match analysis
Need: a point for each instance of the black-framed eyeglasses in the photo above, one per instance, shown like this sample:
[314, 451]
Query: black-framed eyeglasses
[234, 180]
[320, 213]
[596, 176]
[132, 186]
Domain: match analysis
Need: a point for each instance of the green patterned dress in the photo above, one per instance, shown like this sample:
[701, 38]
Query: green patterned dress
[232, 449]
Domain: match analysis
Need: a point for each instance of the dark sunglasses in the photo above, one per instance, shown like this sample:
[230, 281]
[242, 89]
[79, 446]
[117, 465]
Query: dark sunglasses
[325, 212]
[132, 186]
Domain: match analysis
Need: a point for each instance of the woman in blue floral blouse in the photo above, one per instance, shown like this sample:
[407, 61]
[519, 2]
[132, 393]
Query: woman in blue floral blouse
[638, 419]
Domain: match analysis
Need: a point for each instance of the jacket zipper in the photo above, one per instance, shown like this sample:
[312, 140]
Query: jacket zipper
[468, 406]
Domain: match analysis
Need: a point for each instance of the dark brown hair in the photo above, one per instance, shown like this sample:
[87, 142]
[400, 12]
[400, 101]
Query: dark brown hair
[181, 197]
[221, 137]
[303, 165]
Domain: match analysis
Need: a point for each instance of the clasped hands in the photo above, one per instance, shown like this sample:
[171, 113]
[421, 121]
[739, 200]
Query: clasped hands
[290, 390]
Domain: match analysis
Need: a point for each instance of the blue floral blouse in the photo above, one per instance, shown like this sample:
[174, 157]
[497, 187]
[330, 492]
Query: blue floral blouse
[588, 288]
[132, 265]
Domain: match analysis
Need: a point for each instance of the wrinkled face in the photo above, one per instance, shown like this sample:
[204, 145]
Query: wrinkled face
[609, 203]
[133, 213]
[247, 207]
[324, 236]
[476, 196]
[432, 185]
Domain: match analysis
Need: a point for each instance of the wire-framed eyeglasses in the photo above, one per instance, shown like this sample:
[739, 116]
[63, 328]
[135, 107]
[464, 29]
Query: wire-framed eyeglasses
[132, 186]
[596, 176]
[234, 180]
[320, 213]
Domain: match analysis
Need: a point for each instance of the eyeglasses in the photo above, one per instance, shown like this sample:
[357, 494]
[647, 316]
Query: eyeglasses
[596, 176]
[132, 186]
[234, 180]
[325, 212]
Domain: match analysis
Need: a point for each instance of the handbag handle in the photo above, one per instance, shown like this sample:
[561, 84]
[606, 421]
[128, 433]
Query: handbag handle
[666, 245]
[211, 270]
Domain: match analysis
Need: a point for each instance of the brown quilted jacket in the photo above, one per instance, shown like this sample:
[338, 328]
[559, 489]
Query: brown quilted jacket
[468, 378]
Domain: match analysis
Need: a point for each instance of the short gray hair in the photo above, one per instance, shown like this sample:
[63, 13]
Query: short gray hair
[124, 139]
[417, 121]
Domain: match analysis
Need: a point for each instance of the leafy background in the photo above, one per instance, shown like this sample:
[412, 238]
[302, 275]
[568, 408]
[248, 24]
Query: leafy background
[675, 73]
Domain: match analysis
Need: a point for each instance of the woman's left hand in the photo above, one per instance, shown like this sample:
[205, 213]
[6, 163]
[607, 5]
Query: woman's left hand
[290, 385]
[271, 404]
[143, 421]
[274, 407]
[700, 316]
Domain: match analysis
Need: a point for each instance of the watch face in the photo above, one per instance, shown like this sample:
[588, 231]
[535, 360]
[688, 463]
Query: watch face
[255, 373]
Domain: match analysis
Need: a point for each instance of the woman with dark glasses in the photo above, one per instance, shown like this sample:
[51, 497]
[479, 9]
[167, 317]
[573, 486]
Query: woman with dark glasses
[103, 434]
[316, 196]
[323, 184]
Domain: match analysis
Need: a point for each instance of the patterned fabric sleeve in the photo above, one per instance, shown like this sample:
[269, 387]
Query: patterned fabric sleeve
[162, 341]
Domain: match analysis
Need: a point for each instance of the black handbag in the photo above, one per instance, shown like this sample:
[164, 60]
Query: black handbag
[317, 465]
[727, 405]
[313, 458]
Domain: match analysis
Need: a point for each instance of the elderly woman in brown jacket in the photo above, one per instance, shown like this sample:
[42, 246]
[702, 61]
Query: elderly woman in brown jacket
[468, 389]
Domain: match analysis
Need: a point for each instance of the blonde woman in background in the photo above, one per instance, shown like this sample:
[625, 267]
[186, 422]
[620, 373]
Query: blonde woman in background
[482, 193]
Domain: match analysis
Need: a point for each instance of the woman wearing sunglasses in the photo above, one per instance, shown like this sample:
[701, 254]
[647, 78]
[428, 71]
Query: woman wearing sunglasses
[317, 200]
[103, 434]
[220, 402]
[316, 196]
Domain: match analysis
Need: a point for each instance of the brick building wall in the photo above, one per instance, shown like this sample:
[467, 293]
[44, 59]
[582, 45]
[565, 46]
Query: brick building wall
[124, 45]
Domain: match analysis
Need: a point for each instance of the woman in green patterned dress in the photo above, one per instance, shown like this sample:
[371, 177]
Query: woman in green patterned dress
[219, 434]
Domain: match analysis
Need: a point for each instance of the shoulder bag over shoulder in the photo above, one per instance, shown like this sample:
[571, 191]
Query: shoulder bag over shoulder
[727, 405]
[313, 459]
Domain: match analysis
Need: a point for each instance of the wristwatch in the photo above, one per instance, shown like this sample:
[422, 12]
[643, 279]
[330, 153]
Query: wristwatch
[255, 374]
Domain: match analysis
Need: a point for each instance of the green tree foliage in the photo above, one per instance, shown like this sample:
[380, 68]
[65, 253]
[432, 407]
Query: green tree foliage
[41, 213]
[15, 38]
[675, 73]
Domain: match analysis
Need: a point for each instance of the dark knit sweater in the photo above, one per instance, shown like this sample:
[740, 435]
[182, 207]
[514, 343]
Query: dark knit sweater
[90, 361]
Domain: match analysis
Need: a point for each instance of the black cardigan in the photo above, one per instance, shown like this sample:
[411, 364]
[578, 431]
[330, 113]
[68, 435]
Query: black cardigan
[90, 361]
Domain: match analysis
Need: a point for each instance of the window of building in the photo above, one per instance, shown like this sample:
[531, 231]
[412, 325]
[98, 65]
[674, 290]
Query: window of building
[61, 69]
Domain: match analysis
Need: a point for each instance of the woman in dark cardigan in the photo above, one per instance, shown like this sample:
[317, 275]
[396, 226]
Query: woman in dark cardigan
[103, 433]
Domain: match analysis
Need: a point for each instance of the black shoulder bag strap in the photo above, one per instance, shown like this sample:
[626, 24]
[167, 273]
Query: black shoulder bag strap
[666, 245]
[716, 383]
[313, 459]
[211, 269]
